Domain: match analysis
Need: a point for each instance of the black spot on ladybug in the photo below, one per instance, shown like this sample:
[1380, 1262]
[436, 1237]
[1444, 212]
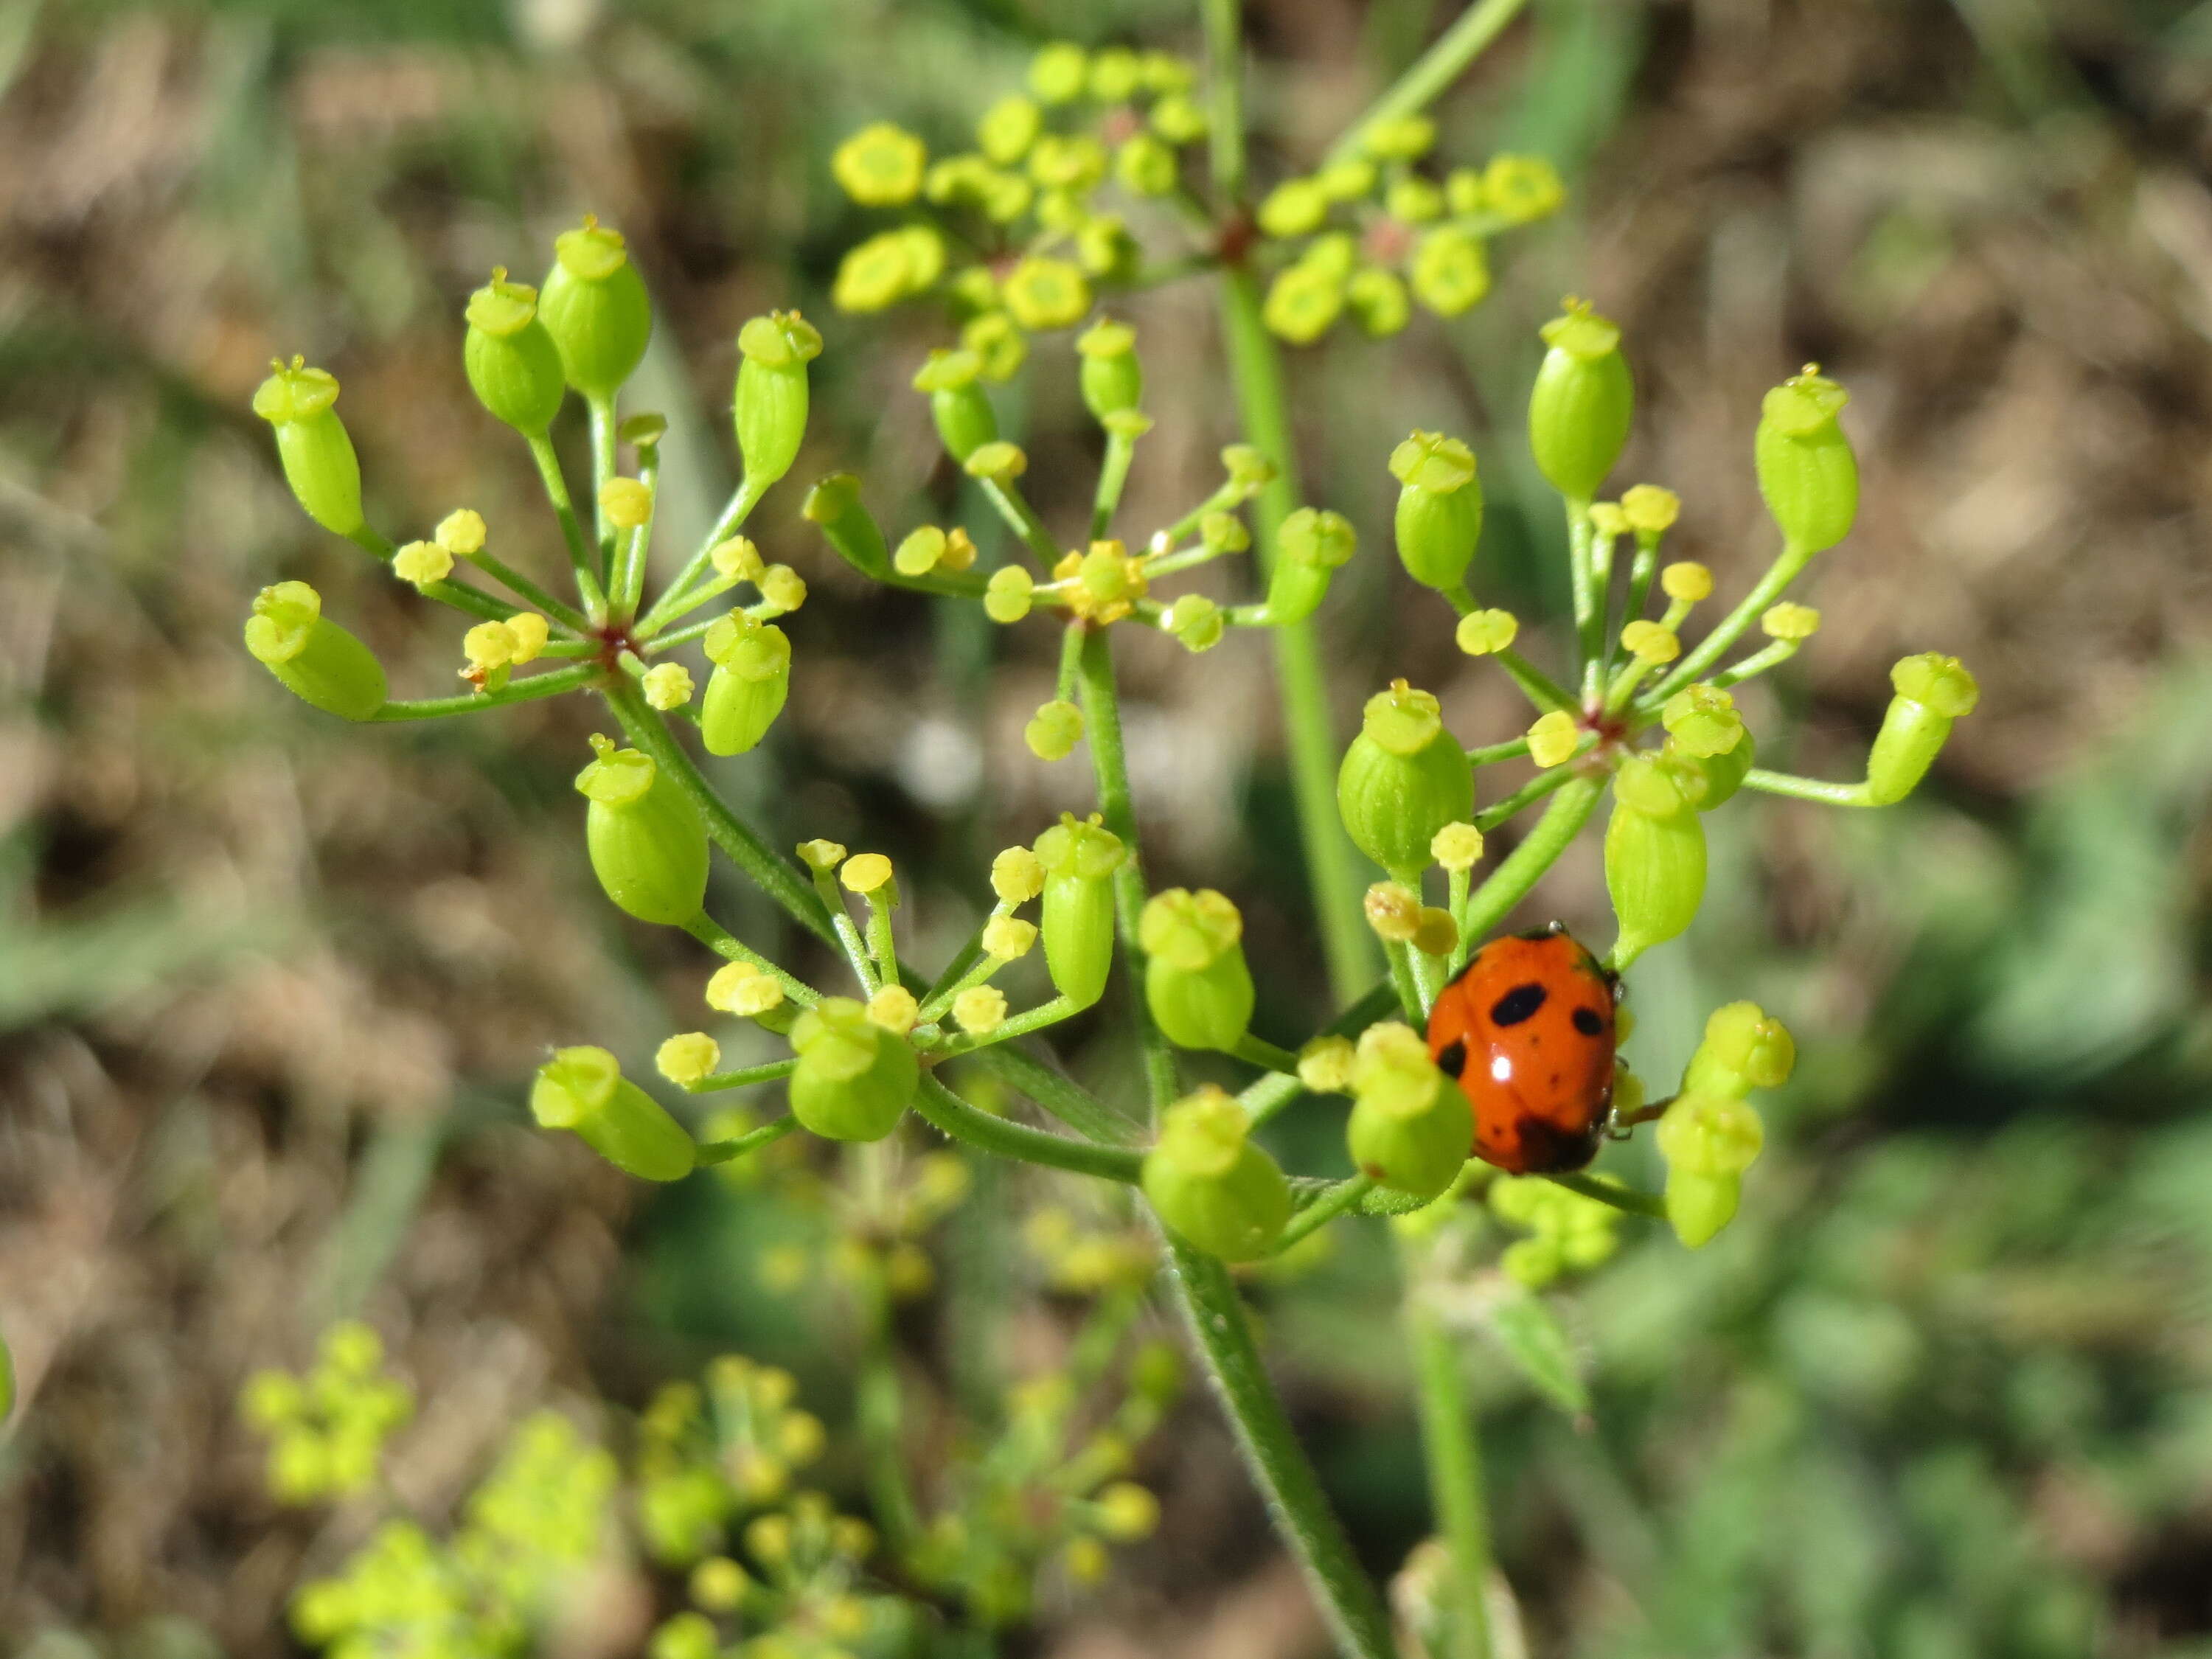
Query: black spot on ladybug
[1546, 1149]
[1587, 1022]
[1453, 1060]
[1517, 1004]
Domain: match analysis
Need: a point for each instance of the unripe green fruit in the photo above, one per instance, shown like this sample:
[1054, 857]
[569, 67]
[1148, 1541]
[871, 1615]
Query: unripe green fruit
[1403, 779]
[593, 303]
[957, 403]
[1655, 858]
[855, 1078]
[583, 1089]
[1410, 1128]
[647, 844]
[1112, 379]
[1699, 1206]
[1210, 1184]
[1311, 546]
[770, 407]
[1744, 1048]
[1582, 404]
[1076, 915]
[1710, 781]
[1197, 982]
[835, 504]
[1807, 472]
[512, 365]
[1439, 517]
[312, 445]
[1932, 691]
[317, 660]
[746, 691]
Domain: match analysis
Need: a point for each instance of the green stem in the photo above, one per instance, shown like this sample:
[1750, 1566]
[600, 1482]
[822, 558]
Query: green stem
[1788, 783]
[637, 545]
[1261, 1052]
[1224, 80]
[1490, 755]
[672, 601]
[721, 1151]
[1435, 70]
[1757, 662]
[1343, 1196]
[1785, 569]
[1590, 607]
[718, 1081]
[1452, 1447]
[995, 1135]
[1509, 882]
[848, 936]
[579, 551]
[551, 685]
[875, 1404]
[603, 468]
[1113, 478]
[1539, 688]
[1528, 793]
[1263, 1099]
[1650, 1206]
[1014, 507]
[1021, 1024]
[728, 946]
[528, 591]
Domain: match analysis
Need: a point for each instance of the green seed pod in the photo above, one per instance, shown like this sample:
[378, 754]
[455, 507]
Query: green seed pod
[1707, 1141]
[647, 845]
[770, 409]
[835, 504]
[1807, 472]
[1403, 779]
[1210, 1184]
[1077, 914]
[1113, 379]
[957, 402]
[1932, 691]
[854, 1080]
[1311, 547]
[1655, 858]
[1699, 1206]
[1710, 781]
[317, 661]
[312, 444]
[746, 691]
[1196, 980]
[1439, 508]
[583, 1089]
[1410, 1128]
[512, 365]
[1579, 412]
[1744, 1048]
[592, 302]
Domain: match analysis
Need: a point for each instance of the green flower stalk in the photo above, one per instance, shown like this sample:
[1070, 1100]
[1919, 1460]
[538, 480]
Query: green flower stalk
[1411, 1129]
[583, 1089]
[1196, 980]
[312, 444]
[1112, 379]
[751, 678]
[1579, 412]
[1655, 857]
[1079, 858]
[770, 407]
[835, 505]
[1311, 545]
[1710, 1134]
[1404, 778]
[317, 660]
[1806, 472]
[647, 841]
[593, 304]
[855, 1078]
[1932, 691]
[6, 1380]
[512, 365]
[957, 403]
[1210, 1184]
[1439, 516]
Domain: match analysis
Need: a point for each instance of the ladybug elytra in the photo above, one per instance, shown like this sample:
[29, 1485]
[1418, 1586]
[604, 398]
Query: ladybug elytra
[1527, 1031]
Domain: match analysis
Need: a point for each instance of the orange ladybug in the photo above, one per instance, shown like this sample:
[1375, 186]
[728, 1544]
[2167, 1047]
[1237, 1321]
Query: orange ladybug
[1528, 1032]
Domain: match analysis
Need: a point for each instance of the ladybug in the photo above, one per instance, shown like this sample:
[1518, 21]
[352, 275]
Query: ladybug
[1527, 1031]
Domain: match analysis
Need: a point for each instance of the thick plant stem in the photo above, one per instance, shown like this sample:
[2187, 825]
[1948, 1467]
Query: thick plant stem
[1788, 566]
[1453, 1450]
[1279, 1463]
[1427, 77]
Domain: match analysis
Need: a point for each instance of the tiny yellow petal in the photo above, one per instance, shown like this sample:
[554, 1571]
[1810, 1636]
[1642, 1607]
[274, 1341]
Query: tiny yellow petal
[1017, 877]
[1008, 938]
[979, 1008]
[1649, 642]
[783, 587]
[1553, 738]
[1650, 509]
[822, 854]
[1325, 1065]
[489, 645]
[530, 630]
[1687, 580]
[461, 532]
[1607, 518]
[1481, 633]
[737, 559]
[1457, 847]
[422, 564]
[1786, 621]
[687, 1057]
[864, 873]
[1392, 911]
[895, 1009]
[667, 685]
[626, 502]
[739, 988]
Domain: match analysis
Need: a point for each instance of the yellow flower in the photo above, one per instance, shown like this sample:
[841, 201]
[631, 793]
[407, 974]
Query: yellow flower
[1042, 293]
[422, 564]
[979, 1008]
[1553, 738]
[461, 532]
[1649, 643]
[1687, 581]
[667, 685]
[687, 1057]
[880, 166]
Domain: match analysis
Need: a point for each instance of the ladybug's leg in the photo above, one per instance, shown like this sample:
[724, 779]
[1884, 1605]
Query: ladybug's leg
[1619, 1125]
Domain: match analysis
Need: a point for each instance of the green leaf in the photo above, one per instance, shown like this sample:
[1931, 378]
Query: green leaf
[1532, 1338]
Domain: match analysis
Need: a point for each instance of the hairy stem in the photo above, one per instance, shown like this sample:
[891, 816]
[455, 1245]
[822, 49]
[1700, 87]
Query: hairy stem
[1452, 1448]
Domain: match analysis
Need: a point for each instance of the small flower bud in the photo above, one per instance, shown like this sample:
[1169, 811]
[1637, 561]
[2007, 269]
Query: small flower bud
[1932, 691]
[1007, 598]
[1435, 933]
[1400, 138]
[1457, 847]
[867, 872]
[1553, 738]
[1008, 128]
[1378, 299]
[1311, 546]
[1066, 166]
[1411, 1129]
[687, 1057]
[1297, 207]
[886, 268]
[1649, 510]
[529, 632]
[854, 1080]
[1521, 189]
[1482, 632]
[1147, 165]
[1325, 1065]
[1609, 520]
[666, 685]
[1112, 377]
[1250, 472]
[748, 688]
[1127, 1512]
[979, 1008]
[314, 658]
[835, 505]
[737, 559]
[593, 303]
[1686, 581]
[1196, 980]
[1196, 621]
[1439, 517]
[420, 564]
[770, 405]
[1709, 780]
[1655, 858]
[1394, 911]
[1210, 1184]
[647, 845]
[1413, 200]
[1225, 533]
[1303, 303]
[783, 587]
[1000, 461]
[1053, 730]
[512, 365]
[1702, 720]
[312, 444]
[1807, 472]
[1403, 778]
[1017, 876]
[880, 166]
[1008, 938]
[1000, 346]
[1079, 860]
[1790, 622]
[489, 646]
[741, 988]
[917, 555]
[1699, 1206]
[895, 1009]
[1579, 412]
[1647, 642]
[822, 856]
[627, 502]
[461, 532]
[1177, 118]
[1042, 293]
[1451, 272]
[583, 1089]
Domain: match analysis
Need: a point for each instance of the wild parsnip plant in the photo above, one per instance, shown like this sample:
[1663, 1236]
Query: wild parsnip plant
[1020, 237]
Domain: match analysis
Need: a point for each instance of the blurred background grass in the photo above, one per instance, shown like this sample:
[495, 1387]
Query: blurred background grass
[268, 988]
